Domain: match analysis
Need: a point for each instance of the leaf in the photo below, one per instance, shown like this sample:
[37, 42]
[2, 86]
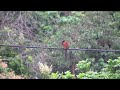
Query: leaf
[30, 58]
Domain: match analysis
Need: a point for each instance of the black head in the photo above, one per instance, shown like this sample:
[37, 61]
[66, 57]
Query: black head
[63, 41]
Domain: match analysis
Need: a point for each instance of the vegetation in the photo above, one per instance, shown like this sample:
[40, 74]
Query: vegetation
[109, 71]
[83, 29]
[8, 73]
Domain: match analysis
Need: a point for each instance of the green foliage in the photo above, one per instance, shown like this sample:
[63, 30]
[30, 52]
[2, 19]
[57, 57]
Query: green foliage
[111, 70]
[113, 66]
[68, 75]
[99, 65]
[30, 59]
[54, 75]
[8, 73]
[18, 66]
[7, 52]
[83, 66]
[83, 29]
[88, 75]
[4, 70]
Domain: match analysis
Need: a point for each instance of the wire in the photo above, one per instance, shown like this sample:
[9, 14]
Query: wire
[99, 50]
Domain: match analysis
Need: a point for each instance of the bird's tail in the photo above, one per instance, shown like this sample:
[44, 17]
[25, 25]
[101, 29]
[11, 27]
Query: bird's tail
[65, 54]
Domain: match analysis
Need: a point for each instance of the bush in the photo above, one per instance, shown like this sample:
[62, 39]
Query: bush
[111, 70]
[18, 66]
[44, 70]
[83, 66]
[7, 73]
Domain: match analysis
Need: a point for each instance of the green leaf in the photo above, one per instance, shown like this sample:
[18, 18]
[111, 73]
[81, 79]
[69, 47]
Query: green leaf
[30, 58]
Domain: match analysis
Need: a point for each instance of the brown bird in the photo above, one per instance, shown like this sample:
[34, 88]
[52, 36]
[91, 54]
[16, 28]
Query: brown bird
[66, 47]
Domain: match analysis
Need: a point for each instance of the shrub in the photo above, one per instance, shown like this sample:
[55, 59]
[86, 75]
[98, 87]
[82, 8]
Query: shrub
[18, 66]
[45, 71]
[7, 73]
[83, 66]
[110, 70]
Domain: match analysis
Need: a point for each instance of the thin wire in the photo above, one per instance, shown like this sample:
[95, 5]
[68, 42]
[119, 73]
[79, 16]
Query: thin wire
[99, 50]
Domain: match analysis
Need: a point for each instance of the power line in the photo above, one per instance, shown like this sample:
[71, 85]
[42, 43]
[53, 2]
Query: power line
[79, 49]
[100, 50]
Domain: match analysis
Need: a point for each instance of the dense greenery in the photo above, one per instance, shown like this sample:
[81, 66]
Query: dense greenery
[83, 29]
[109, 71]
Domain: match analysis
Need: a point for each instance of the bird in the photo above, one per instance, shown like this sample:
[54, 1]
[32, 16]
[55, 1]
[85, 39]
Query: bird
[65, 46]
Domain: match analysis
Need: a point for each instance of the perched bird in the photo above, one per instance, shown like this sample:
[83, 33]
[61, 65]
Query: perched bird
[66, 47]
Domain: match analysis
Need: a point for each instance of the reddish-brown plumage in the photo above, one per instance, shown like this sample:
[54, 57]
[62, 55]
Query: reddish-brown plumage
[65, 44]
